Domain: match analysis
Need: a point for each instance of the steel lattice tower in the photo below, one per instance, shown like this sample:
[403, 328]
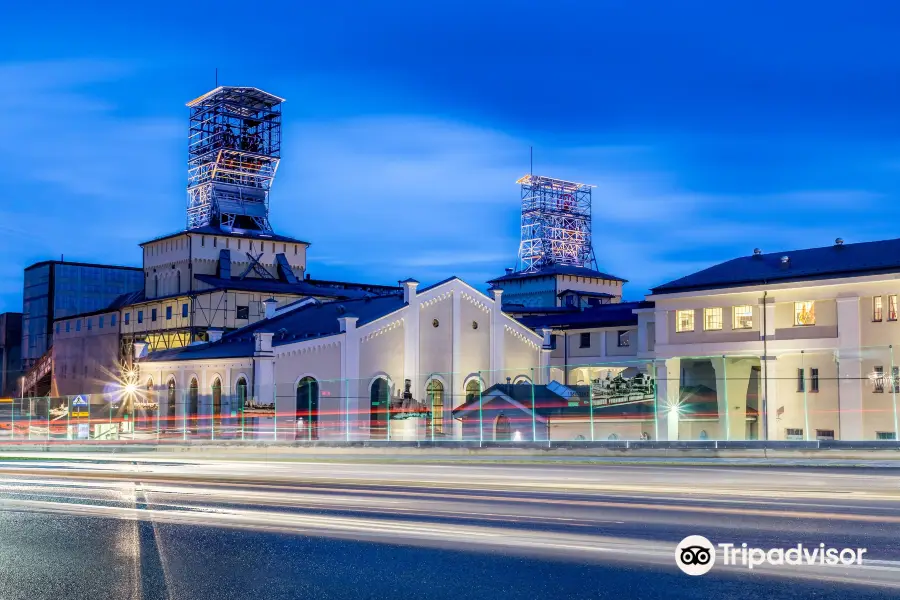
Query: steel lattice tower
[556, 224]
[233, 153]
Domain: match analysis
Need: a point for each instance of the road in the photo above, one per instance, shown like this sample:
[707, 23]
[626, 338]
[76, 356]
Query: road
[137, 528]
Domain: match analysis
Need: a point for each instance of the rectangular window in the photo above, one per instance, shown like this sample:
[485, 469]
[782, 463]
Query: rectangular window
[824, 434]
[78, 325]
[801, 381]
[585, 340]
[67, 326]
[624, 339]
[712, 319]
[813, 380]
[152, 314]
[127, 318]
[57, 328]
[184, 310]
[112, 320]
[804, 313]
[742, 317]
[168, 313]
[892, 307]
[89, 323]
[553, 342]
[243, 312]
[895, 379]
[140, 316]
[793, 434]
[876, 308]
[879, 380]
[885, 435]
[100, 319]
[684, 320]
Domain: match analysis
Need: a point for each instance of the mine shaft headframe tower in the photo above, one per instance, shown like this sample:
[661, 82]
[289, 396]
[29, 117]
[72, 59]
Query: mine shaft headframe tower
[556, 224]
[233, 153]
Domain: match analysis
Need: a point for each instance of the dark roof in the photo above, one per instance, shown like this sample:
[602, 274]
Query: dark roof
[554, 270]
[241, 234]
[274, 286]
[434, 285]
[307, 322]
[81, 264]
[118, 302]
[606, 315]
[585, 294]
[867, 258]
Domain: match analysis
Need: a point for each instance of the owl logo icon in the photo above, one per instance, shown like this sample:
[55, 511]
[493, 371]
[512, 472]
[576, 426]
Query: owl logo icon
[695, 555]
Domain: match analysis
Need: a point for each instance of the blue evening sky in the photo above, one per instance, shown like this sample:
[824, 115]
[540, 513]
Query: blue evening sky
[709, 128]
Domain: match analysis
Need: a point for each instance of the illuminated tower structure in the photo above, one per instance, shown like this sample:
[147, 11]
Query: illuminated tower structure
[556, 224]
[233, 154]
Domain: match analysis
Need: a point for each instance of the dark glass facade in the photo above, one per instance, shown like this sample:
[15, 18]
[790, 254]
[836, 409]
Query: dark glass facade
[54, 290]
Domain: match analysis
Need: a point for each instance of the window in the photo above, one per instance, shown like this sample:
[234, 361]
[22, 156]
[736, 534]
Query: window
[570, 300]
[585, 340]
[804, 313]
[813, 380]
[140, 316]
[243, 312]
[67, 326]
[794, 434]
[100, 321]
[202, 240]
[90, 322]
[78, 325]
[152, 314]
[712, 319]
[892, 307]
[553, 341]
[801, 381]
[684, 320]
[168, 313]
[624, 339]
[57, 328]
[885, 435]
[184, 310]
[895, 379]
[434, 393]
[112, 320]
[824, 434]
[742, 317]
[127, 318]
[215, 242]
[879, 380]
[876, 308]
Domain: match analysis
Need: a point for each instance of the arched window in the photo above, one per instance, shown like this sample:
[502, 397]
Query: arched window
[240, 390]
[193, 403]
[613, 437]
[150, 384]
[308, 407]
[217, 397]
[502, 429]
[522, 380]
[170, 402]
[435, 402]
[704, 435]
[378, 406]
[473, 389]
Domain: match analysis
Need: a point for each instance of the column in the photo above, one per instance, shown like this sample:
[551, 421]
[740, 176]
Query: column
[542, 374]
[667, 392]
[732, 382]
[661, 323]
[497, 339]
[353, 392]
[768, 428]
[264, 378]
[850, 382]
[457, 395]
[411, 335]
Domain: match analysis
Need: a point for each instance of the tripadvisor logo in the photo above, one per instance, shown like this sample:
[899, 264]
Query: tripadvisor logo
[696, 555]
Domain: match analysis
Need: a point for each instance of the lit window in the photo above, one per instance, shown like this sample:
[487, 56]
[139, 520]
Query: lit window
[879, 380]
[624, 339]
[892, 307]
[742, 317]
[813, 380]
[877, 308]
[684, 320]
[804, 313]
[712, 319]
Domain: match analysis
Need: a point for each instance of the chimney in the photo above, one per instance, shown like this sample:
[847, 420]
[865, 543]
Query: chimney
[409, 289]
[214, 334]
[509, 270]
[271, 304]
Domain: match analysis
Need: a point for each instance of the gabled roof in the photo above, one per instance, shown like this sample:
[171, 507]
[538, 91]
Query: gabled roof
[274, 286]
[846, 260]
[241, 234]
[304, 323]
[619, 314]
[554, 270]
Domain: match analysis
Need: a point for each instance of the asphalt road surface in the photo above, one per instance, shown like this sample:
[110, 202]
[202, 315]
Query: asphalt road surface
[199, 529]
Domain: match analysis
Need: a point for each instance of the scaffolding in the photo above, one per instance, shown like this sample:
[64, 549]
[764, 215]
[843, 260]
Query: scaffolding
[233, 152]
[556, 224]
